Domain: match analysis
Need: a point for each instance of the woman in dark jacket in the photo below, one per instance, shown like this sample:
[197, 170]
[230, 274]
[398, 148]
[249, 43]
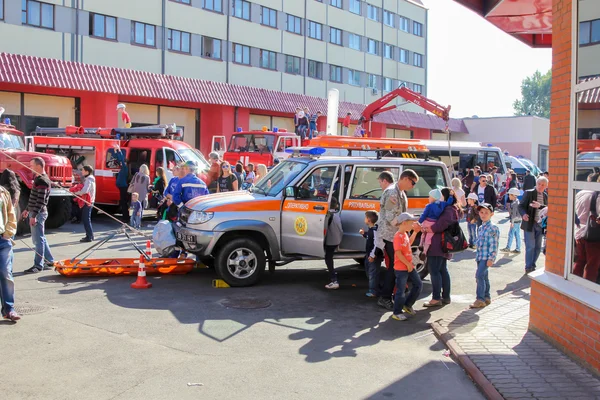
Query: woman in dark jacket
[468, 182]
[8, 179]
[437, 260]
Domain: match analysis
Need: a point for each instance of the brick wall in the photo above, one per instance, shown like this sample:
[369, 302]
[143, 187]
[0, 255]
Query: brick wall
[567, 323]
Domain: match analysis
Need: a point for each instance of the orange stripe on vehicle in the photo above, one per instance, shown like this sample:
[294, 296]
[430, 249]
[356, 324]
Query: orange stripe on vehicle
[418, 202]
[361, 205]
[305, 206]
[256, 205]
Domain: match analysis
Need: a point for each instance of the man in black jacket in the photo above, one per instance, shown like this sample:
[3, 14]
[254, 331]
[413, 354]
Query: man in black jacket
[37, 212]
[534, 201]
[528, 181]
[486, 193]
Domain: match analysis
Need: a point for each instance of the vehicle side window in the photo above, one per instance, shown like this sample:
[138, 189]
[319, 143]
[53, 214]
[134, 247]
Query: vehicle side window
[493, 160]
[318, 185]
[111, 159]
[137, 157]
[430, 177]
[365, 184]
[173, 158]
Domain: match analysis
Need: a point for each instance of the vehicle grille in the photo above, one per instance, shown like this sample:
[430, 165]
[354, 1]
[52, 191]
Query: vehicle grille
[184, 214]
[62, 174]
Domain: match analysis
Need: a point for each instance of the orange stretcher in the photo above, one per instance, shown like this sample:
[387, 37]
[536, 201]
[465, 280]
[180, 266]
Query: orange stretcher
[124, 266]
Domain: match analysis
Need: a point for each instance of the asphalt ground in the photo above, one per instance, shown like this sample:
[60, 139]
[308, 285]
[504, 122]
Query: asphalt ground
[96, 338]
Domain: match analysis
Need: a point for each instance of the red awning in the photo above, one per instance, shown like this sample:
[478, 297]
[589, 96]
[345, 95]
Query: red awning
[528, 20]
[48, 72]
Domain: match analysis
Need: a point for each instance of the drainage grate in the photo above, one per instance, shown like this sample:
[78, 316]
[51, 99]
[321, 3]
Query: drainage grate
[28, 309]
[246, 303]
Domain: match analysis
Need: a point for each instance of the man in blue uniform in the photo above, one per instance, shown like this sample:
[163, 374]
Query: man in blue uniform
[190, 186]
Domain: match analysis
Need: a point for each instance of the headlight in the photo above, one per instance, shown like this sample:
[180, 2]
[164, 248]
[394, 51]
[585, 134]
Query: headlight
[200, 217]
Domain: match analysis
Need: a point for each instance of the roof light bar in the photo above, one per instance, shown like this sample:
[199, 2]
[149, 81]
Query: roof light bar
[306, 151]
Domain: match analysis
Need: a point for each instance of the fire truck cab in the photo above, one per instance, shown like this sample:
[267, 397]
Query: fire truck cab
[156, 146]
[257, 147]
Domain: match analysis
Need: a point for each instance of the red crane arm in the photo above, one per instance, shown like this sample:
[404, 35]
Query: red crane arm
[377, 107]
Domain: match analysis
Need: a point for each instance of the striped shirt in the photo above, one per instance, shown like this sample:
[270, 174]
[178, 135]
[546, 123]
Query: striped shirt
[488, 242]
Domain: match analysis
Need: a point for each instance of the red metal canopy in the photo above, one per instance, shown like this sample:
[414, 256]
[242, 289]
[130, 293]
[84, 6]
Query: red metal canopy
[528, 20]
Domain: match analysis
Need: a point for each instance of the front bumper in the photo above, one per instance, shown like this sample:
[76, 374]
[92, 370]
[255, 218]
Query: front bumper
[196, 241]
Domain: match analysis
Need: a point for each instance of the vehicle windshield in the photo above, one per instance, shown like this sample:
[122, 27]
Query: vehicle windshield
[251, 143]
[591, 156]
[8, 141]
[192, 155]
[279, 177]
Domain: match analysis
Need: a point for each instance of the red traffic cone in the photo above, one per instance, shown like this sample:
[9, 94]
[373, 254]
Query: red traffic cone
[141, 282]
[148, 250]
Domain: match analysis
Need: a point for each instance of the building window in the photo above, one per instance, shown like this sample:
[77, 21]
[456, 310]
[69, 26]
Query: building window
[417, 88]
[353, 77]
[241, 9]
[211, 48]
[589, 32]
[335, 36]
[269, 17]
[354, 41]
[372, 81]
[179, 41]
[241, 54]
[373, 46]
[355, 6]
[268, 59]
[315, 69]
[294, 24]
[1, 10]
[315, 30]
[336, 3]
[403, 56]
[143, 34]
[292, 65]
[388, 18]
[335, 73]
[213, 5]
[388, 51]
[103, 26]
[417, 60]
[387, 84]
[372, 12]
[39, 14]
[183, 1]
[404, 24]
[417, 28]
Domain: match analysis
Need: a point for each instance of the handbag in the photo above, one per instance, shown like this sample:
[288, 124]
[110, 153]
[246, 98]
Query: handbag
[453, 239]
[130, 188]
[592, 233]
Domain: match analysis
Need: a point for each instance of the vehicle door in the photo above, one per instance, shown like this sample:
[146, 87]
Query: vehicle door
[431, 176]
[284, 142]
[363, 194]
[106, 179]
[304, 215]
[219, 145]
[170, 159]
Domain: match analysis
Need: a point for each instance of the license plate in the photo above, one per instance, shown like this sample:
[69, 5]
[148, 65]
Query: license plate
[186, 238]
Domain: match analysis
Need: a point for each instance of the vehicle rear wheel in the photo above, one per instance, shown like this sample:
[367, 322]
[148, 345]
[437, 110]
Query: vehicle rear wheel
[59, 211]
[240, 262]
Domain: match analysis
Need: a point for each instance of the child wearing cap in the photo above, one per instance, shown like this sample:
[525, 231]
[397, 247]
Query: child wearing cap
[432, 212]
[404, 268]
[473, 220]
[515, 221]
[487, 250]
[373, 255]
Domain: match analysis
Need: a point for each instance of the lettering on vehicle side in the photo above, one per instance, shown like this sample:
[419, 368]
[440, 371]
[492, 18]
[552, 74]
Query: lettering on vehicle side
[361, 205]
[296, 206]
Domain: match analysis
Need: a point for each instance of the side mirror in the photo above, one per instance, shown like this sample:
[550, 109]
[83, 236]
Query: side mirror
[290, 191]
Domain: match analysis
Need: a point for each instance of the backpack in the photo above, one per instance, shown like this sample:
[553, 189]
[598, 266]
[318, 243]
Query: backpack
[592, 233]
[453, 239]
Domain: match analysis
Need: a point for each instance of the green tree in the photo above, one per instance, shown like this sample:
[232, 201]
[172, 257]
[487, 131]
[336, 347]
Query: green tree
[535, 95]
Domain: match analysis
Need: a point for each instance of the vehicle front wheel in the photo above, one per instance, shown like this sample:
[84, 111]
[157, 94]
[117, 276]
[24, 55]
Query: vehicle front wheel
[240, 262]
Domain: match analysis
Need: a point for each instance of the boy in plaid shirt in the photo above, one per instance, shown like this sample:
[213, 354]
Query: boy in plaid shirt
[487, 250]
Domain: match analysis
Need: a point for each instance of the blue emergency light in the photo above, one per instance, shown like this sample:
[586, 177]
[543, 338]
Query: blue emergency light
[490, 145]
[306, 151]
[239, 129]
[7, 121]
[275, 129]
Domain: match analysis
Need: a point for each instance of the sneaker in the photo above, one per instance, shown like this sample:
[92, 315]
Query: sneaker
[488, 301]
[385, 303]
[506, 250]
[446, 301]
[48, 264]
[399, 317]
[370, 294]
[32, 270]
[332, 285]
[516, 251]
[478, 304]
[85, 240]
[409, 310]
[529, 270]
[433, 303]
[13, 316]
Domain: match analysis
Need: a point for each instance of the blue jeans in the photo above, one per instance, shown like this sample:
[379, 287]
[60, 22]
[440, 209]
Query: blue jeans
[86, 218]
[42, 250]
[401, 299]
[515, 232]
[472, 233]
[7, 283]
[136, 221]
[533, 246]
[372, 271]
[440, 278]
[483, 281]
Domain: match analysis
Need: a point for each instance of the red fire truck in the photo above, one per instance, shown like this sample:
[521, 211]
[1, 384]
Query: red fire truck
[155, 146]
[14, 156]
[257, 147]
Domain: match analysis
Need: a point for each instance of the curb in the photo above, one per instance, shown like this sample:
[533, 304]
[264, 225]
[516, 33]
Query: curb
[466, 363]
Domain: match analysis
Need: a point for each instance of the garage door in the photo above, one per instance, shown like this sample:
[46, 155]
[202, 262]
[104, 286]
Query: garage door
[284, 123]
[258, 121]
[142, 114]
[183, 117]
[398, 133]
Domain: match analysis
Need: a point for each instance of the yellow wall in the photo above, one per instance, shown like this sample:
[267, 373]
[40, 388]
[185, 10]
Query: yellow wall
[316, 87]
[142, 113]
[438, 136]
[317, 12]
[196, 20]
[316, 50]
[31, 41]
[195, 67]
[254, 76]
[411, 11]
[11, 102]
[411, 42]
[121, 55]
[292, 44]
[411, 73]
[292, 83]
[258, 121]
[284, 123]
[346, 21]
[148, 11]
[274, 4]
[397, 133]
[51, 106]
[373, 64]
[254, 35]
[182, 117]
